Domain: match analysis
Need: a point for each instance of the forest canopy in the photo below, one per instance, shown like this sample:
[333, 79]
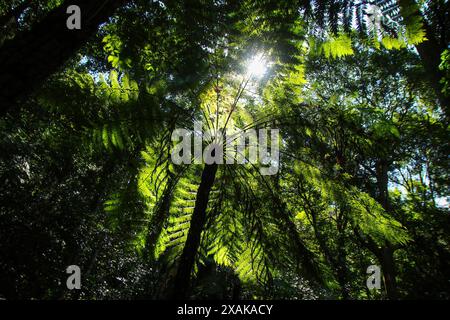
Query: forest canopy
[343, 106]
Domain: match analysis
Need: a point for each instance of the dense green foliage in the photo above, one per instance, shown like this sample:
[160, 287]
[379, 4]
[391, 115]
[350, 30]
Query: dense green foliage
[86, 176]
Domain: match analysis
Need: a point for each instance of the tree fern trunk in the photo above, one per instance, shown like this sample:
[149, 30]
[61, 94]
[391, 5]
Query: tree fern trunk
[33, 55]
[198, 220]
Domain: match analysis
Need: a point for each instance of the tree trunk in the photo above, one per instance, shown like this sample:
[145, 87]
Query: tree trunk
[386, 258]
[386, 254]
[160, 216]
[337, 262]
[198, 220]
[430, 53]
[32, 56]
[304, 258]
[382, 168]
[237, 289]
[306, 265]
[341, 267]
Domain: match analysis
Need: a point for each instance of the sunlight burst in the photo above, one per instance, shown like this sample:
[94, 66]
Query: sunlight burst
[257, 66]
